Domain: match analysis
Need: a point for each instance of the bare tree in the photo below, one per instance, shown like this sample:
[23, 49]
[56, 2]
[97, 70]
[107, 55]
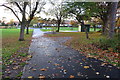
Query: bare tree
[22, 9]
[58, 12]
[27, 10]
[34, 8]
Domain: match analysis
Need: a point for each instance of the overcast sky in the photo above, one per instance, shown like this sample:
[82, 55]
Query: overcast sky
[5, 13]
[9, 15]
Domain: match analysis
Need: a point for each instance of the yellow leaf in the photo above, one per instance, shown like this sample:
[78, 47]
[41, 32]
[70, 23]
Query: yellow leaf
[80, 63]
[29, 56]
[86, 67]
[30, 77]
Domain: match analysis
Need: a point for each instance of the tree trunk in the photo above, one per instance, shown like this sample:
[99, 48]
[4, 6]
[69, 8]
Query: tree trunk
[27, 28]
[21, 38]
[58, 26]
[86, 32]
[112, 19]
[94, 27]
[85, 28]
[58, 29]
[105, 25]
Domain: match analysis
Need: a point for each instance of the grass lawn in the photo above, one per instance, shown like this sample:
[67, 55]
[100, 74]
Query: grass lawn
[86, 47]
[68, 29]
[12, 49]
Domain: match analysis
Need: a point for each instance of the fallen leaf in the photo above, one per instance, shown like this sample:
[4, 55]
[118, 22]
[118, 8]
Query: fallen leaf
[29, 56]
[56, 64]
[11, 61]
[80, 63]
[41, 77]
[14, 61]
[34, 69]
[97, 73]
[8, 72]
[78, 74]
[60, 68]
[103, 64]
[65, 71]
[107, 76]
[16, 67]
[71, 76]
[7, 69]
[86, 67]
[43, 69]
[30, 77]
[24, 59]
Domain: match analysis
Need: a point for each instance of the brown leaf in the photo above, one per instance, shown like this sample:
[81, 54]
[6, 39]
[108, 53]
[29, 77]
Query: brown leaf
[78, 74]
[24, 59]
[60, 68]
[41, 77]
[71, 76]
[56, 64]
[103, 64]
[43, 69]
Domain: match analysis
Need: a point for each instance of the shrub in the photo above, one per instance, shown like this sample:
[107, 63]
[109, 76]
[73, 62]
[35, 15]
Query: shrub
[110, 44]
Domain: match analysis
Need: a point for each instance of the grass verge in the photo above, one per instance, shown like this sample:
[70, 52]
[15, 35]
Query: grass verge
[13, 51]
[66, 29]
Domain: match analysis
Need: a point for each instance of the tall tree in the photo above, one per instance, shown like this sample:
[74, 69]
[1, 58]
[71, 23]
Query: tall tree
[58, 12]
[34, 8]
[22, 9]
[27, 12]
[112, 18]
[103, 12]
[81, 11]
[93, 9]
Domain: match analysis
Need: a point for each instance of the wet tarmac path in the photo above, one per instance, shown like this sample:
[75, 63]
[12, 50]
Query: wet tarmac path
[51, 59]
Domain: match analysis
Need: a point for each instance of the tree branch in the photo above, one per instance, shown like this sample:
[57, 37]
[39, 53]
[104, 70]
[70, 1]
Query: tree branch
[12, 11]
[19, 7]
[33, 12]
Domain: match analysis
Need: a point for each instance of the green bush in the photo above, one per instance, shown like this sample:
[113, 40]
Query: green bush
[107, 44]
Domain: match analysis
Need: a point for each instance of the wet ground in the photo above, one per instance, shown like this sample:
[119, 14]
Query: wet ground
[51, 59]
